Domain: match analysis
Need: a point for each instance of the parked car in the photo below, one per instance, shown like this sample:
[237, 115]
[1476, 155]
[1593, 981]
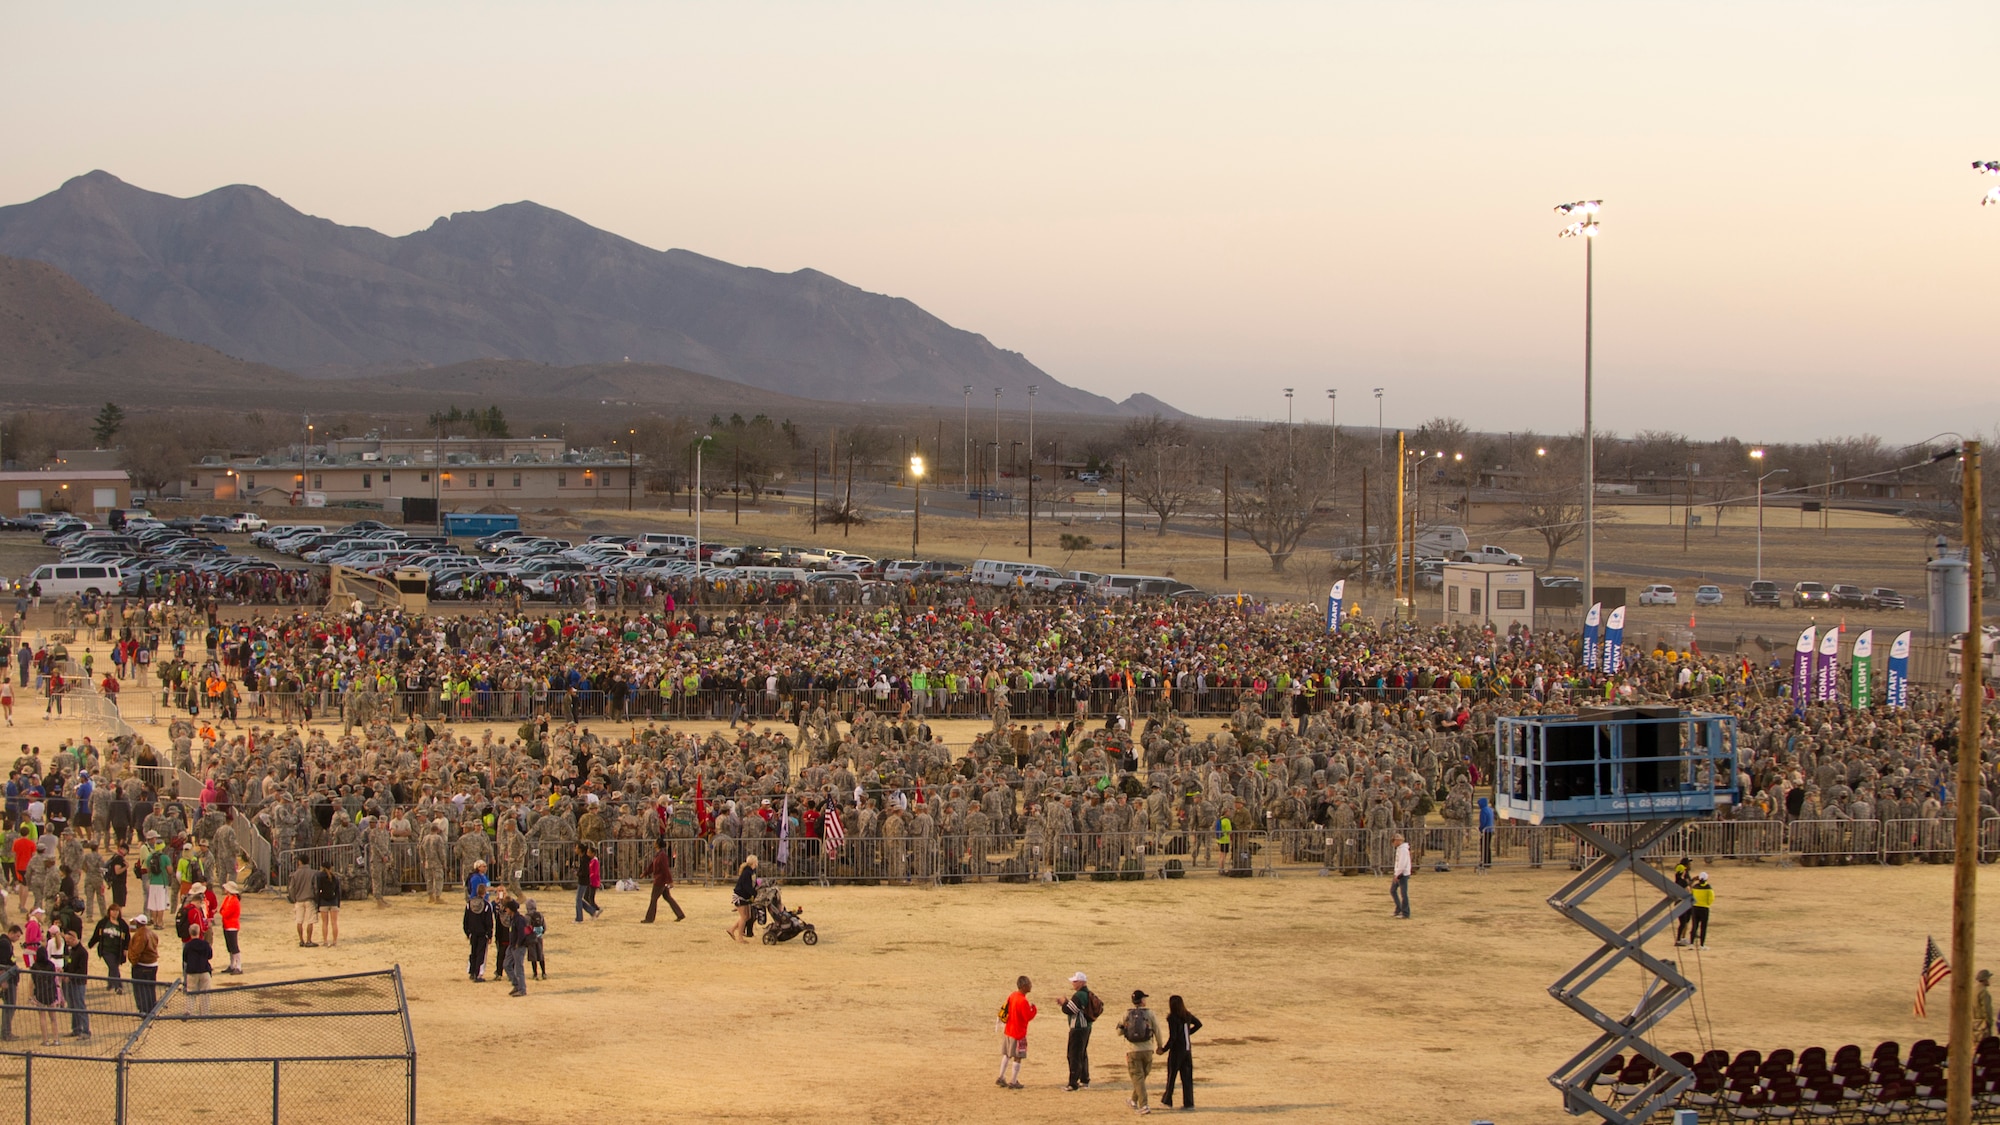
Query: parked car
[1763, 592]
[1849, 596]
[1882, 597]
[1808, 594]
[1708, 595]
[1659, 594]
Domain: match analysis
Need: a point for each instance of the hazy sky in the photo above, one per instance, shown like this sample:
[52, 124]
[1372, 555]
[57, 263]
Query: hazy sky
[1209, 202]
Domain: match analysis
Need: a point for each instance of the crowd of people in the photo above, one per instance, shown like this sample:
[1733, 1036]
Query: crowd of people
[829, 756]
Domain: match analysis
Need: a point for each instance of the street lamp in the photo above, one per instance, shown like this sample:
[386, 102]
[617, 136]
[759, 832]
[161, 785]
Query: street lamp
[1378, 427]
[1585, 212]
[700, 443]
[631, 437]
[916, 508]
[1758, 456]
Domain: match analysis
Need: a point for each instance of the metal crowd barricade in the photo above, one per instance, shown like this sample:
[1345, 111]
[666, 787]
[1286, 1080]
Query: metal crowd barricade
[1727, 839]
[1918, 841]
[1818, 843]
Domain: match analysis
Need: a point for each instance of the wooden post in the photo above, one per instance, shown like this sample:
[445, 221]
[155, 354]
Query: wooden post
[815, 513]
[1225, 522]
[1965, 866]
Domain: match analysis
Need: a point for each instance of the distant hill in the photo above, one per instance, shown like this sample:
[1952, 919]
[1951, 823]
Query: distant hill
[240, 270]
[1144, 405]
[641, 384]
[60, 344]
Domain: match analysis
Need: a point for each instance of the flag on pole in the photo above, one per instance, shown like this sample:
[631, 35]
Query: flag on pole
[1861, 681]
[1802, 669]
[1936, 968]
[832, 831]
[785, 831]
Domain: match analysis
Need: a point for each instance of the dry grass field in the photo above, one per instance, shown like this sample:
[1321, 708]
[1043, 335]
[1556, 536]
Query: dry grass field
[1317, 1005]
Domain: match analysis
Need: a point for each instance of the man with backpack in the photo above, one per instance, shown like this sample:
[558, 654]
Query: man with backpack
[1143, 1040]
[1082, 1006]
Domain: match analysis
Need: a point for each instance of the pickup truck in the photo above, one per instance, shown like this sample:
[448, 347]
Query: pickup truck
[1491, 554]
[249, 521]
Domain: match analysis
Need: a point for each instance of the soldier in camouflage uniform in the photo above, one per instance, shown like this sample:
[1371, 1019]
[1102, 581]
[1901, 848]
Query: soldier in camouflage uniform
[431, 850]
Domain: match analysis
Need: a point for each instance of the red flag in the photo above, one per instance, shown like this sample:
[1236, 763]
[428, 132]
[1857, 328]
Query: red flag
[701, 817]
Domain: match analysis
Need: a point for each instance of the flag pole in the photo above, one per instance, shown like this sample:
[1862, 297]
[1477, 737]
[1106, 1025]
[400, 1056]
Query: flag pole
[1965, 866]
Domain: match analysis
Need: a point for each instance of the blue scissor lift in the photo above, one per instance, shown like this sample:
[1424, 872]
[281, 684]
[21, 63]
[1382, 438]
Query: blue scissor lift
[1621, 780]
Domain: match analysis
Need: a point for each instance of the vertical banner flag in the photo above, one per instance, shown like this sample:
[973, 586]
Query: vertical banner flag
[1614, 642]
[1335, 602]
[1826, 670]
[1898, 694]
[1590, 636]
[1802, 670]
[1861, 674]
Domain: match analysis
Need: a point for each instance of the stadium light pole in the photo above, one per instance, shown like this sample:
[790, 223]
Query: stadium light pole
[965, 450]
[1585, 211]
[1758, 455]
[699, 444]
[1333, 421]
[1378, 427]
[1288, 429]
[631, 436]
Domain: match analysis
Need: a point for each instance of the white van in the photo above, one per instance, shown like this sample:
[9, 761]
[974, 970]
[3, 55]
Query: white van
[995, 572]
[68, 579]
[1126, 585]
[771, 573]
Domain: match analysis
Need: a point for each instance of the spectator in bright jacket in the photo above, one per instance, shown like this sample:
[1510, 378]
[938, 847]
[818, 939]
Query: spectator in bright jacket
[1014, 1017]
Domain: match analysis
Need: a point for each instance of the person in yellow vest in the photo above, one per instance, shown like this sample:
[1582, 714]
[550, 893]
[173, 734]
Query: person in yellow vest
[1704, 897]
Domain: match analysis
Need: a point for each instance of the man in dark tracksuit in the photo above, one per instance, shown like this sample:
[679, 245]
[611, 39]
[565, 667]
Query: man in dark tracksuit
[663, 885]
[1077, 1006]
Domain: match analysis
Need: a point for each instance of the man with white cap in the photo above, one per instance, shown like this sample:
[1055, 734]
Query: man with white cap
[142, 952]
[1081, 1007]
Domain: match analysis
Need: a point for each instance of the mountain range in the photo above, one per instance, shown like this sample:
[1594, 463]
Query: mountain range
[242, 272]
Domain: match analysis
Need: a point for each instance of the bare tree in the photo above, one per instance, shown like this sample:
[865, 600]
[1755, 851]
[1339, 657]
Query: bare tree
[1160, 473]
[1550, 503]
[1286, 491]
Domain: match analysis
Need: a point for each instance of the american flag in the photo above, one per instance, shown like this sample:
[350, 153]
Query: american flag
[832, 831]
[1936, 968]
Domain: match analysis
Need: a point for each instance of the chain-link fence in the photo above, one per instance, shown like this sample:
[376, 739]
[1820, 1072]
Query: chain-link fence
[336, 1050]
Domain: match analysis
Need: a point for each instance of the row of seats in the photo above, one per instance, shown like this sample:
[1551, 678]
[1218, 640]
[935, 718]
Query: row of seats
[1884, 1086]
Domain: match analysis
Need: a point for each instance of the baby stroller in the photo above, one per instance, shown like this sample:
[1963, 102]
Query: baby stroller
[781, 924]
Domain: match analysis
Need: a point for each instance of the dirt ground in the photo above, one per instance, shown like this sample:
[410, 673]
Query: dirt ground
[1317, 1006]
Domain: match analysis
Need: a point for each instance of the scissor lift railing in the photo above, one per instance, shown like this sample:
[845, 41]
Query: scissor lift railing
[1621, 782]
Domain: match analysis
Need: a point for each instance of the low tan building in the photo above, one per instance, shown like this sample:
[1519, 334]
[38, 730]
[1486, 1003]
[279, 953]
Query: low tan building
[1489, 594]
[458, 472]
[83, 491]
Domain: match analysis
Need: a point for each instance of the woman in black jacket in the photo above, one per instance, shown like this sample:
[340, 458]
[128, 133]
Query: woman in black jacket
[743, 896]
[1181, 1025]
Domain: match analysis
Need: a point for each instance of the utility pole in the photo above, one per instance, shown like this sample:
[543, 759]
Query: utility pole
[1031, 500]
[965, 451]
[1225, 521]
[630, 437]
[815, 511]
[1123, 480]
[1965, 864]
[1399, 525]
[1364, 524]
[849, 521]
[739, 485]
